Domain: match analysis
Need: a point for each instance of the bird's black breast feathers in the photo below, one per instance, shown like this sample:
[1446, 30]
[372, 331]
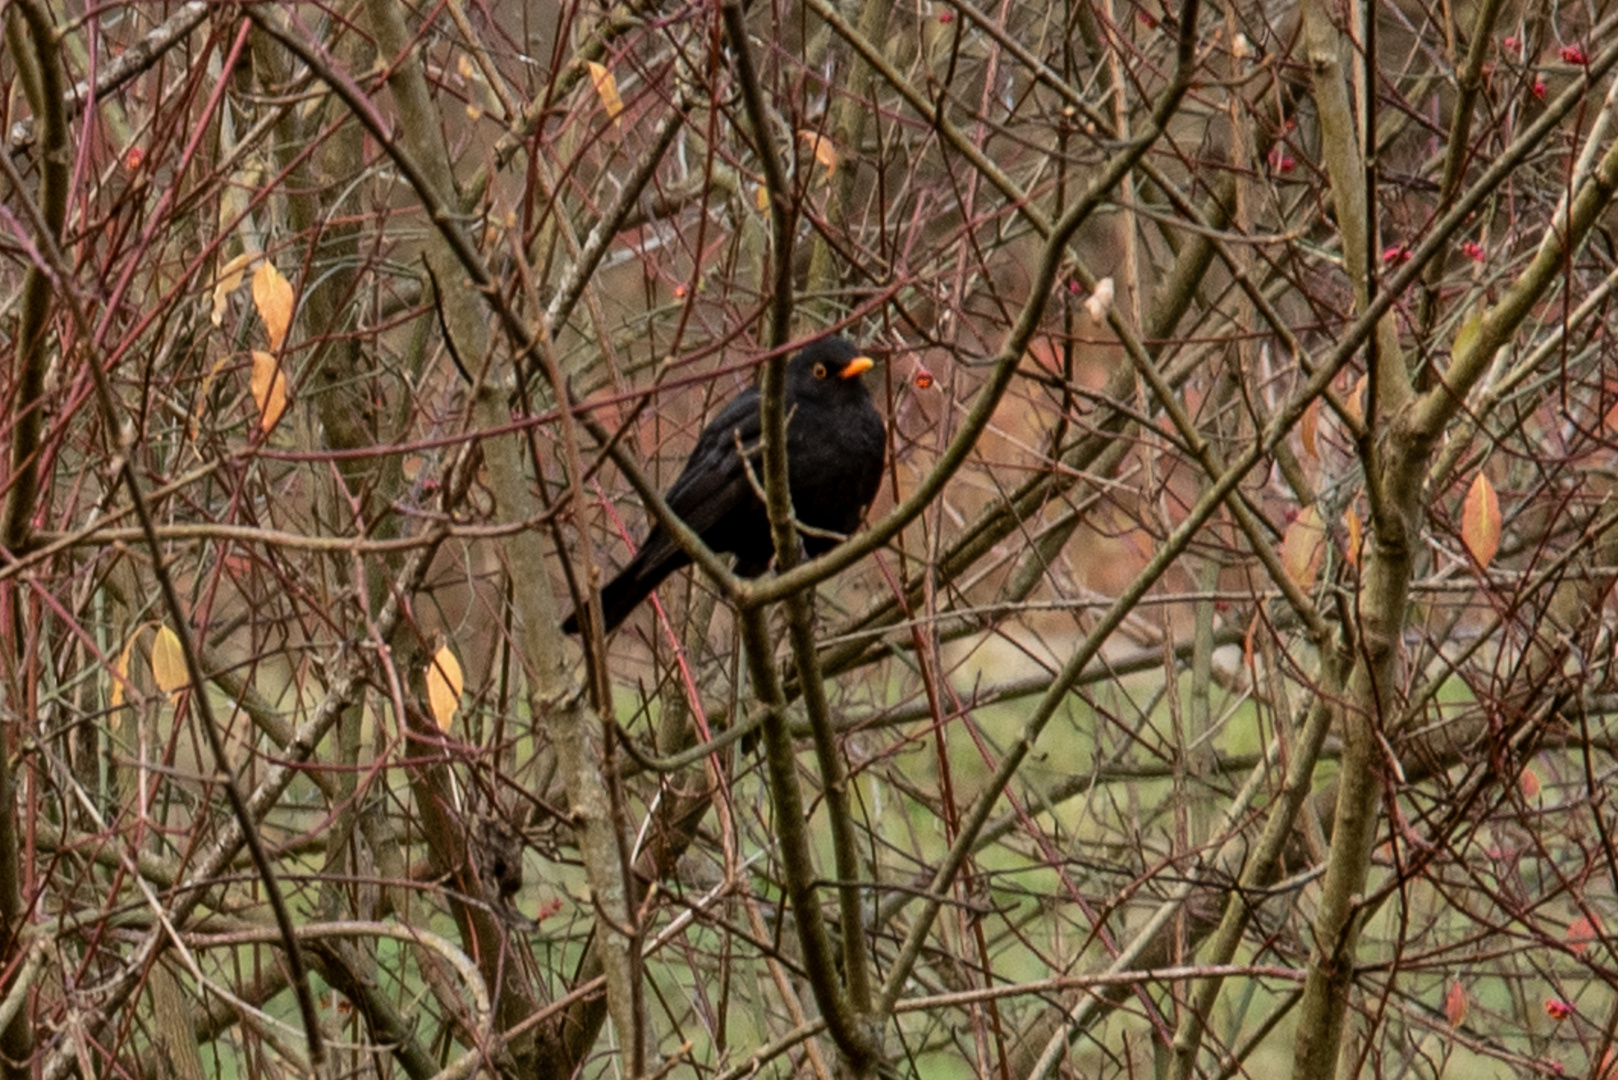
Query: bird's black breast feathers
[835, 457]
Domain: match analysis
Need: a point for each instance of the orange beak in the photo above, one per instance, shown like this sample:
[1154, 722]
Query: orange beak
[857, 367]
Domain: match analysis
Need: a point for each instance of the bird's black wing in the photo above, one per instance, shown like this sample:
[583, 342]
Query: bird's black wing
[714, 481]
[711, 485]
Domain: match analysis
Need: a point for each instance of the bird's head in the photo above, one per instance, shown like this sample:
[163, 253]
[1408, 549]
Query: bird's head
[830, 367]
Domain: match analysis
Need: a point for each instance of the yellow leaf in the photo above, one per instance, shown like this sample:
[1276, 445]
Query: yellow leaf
[1480, 521]
[272, 295]
[168, 661]
[269, 388]
[1355, 532]
[463, 64]
[1303, 547]
[824, 151]
[230, 278]
[120, 676]
[761, 198]
[606, 89]
[444, 684]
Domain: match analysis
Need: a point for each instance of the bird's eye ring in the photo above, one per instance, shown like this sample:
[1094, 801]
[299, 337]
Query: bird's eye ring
[820, 371]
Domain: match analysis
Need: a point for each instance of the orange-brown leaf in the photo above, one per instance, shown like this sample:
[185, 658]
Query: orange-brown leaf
[1303, 548]
[1309, 430]
[1581, 935]
[1455, 1004]
[1480, 521]
[444, 685]
[1528, 782]
[824, 151]
[269, 388]
[1356, 537]
[1354, 404]
[272, 295]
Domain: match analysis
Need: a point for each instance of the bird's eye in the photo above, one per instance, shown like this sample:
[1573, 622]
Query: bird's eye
[820, 371]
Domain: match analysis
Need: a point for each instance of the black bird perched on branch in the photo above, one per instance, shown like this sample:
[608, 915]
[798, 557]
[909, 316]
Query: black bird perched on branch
[835, 450]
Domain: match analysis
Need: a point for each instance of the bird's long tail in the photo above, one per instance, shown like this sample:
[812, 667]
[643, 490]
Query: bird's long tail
[645, 572]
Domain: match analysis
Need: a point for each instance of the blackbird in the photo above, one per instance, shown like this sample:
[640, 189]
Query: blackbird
[835, 449]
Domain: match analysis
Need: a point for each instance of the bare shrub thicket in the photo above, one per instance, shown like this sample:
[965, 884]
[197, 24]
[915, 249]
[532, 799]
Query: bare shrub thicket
[1221, 684]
